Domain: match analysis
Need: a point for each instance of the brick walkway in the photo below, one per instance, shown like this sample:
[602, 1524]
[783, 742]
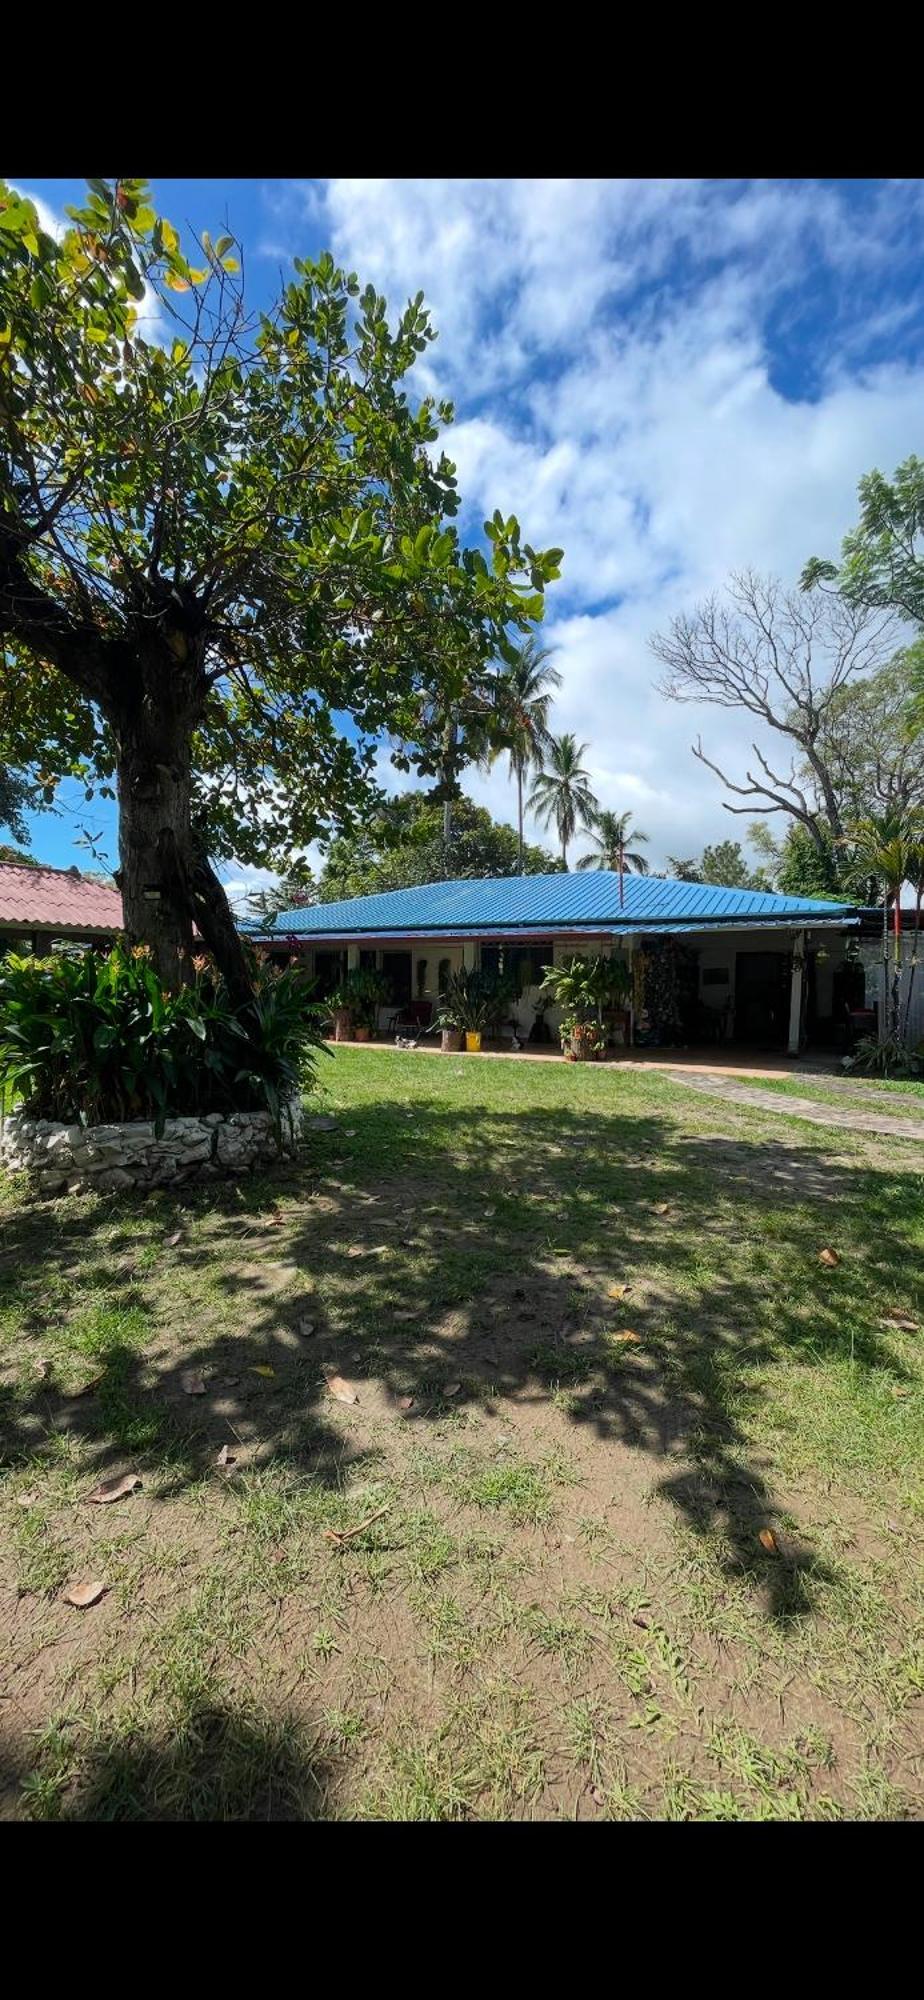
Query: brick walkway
[844, 1117]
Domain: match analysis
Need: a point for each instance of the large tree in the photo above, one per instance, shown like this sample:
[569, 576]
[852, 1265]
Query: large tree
[220, 533]
[784, 658]
[882, 562]
[401, 845]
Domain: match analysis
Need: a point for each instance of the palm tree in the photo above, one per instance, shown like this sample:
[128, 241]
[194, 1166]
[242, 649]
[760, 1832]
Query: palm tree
[524, 697]
[610, 834]
[561, 791]
[886, 845]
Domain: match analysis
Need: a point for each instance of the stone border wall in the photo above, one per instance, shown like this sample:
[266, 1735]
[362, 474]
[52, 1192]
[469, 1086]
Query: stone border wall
[83, 1158]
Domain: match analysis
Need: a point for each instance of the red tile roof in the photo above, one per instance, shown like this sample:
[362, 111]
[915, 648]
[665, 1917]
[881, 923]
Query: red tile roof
[56, 899]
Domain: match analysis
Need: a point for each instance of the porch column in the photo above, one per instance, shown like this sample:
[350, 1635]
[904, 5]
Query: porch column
[630, 941]
[469, 954]
[352, 958]
[795, 997]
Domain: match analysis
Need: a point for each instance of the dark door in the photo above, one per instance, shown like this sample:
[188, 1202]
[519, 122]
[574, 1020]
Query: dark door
[396, 965]
[762, 993]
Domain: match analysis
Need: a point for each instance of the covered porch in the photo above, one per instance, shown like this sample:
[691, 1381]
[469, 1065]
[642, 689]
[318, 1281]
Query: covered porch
[760, 993]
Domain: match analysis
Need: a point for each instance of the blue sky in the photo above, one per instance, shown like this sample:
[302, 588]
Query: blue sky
[668, 379]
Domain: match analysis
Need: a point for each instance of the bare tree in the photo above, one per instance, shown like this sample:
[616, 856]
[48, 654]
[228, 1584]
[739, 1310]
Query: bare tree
[782, 656]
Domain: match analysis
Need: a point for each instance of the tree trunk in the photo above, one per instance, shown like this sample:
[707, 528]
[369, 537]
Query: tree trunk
[519, 770]
[166, 880]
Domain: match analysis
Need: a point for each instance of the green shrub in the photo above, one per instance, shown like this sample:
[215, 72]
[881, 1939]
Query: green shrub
[90, 1039]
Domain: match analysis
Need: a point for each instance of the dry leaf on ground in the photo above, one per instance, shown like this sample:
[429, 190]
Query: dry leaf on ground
[829, 1257]
[452, 1388]
[84, 1594]
[191, 1383]
[342, 1392]
[618, 1291]
[901, 1322]
[28, 1499]
[173, 1240]
[768, 1541]
[225, 1456]
[628, 1337]
[306, 1328]
[262, 1368]
[109, 1490]
[405, 1403]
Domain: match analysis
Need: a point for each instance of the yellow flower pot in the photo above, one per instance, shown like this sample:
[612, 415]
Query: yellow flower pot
[473, 1040]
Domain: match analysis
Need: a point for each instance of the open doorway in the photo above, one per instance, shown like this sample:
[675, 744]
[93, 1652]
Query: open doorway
[762, 998]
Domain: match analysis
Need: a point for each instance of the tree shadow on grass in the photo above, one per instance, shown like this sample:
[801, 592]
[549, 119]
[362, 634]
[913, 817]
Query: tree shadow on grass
[431, 1246]
[216, 1761]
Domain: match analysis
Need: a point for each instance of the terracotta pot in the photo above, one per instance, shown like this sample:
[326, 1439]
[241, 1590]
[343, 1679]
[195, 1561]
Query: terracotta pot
[583, 1046]
[451, 1040]
[473, 1040]
[343, 1025]
[360, 1034]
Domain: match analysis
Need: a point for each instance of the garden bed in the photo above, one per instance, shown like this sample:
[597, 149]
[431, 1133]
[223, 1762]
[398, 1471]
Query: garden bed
[85, 1158]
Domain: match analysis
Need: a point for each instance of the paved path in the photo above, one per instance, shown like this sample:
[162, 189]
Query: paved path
[843, 1116]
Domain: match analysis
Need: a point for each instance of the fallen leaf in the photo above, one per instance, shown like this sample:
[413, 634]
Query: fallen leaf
[306, 1328]
[28, 1499]
[660, 1207]
[226, 1457]
[43, 1368]
[488, 1212]
[452, 1388]
[894, 1527]
[768, 1541]
[109, 1490]
[618, 1291]
[173, 1240]
[84, 1594]
[191, 1383]
[350, 1132]
[639, 1620]
[901, 1322]
[342, 1392]
[405, 1403]
[628, 1337]
[901, 1392]
[406, 1315]
[599, 1798]
[262, 1368]
[829, 1257]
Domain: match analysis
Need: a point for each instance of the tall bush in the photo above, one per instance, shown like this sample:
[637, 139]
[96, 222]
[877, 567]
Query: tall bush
[90, 1039]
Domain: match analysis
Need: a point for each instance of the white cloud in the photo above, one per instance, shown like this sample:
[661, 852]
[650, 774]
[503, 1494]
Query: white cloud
[618, 355]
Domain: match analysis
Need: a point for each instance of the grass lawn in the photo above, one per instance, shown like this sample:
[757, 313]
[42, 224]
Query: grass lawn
[638, 1479]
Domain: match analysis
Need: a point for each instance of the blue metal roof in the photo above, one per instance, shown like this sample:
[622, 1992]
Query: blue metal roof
[548, 903]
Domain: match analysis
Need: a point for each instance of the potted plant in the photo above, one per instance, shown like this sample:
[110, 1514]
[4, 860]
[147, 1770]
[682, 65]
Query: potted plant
[448, 1022]
[340, 1002]
[466, 1007]
[585, 989]
[369, 991]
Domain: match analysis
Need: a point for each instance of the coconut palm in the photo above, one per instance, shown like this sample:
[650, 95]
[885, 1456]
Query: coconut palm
[561, 792]
[685, 869]
[611, 835]
[524, 697]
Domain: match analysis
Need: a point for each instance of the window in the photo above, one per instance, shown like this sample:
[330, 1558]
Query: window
[522, 963]
[421, 978]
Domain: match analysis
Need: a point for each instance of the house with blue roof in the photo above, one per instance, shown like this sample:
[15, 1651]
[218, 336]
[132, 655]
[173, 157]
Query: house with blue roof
[707, 964]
